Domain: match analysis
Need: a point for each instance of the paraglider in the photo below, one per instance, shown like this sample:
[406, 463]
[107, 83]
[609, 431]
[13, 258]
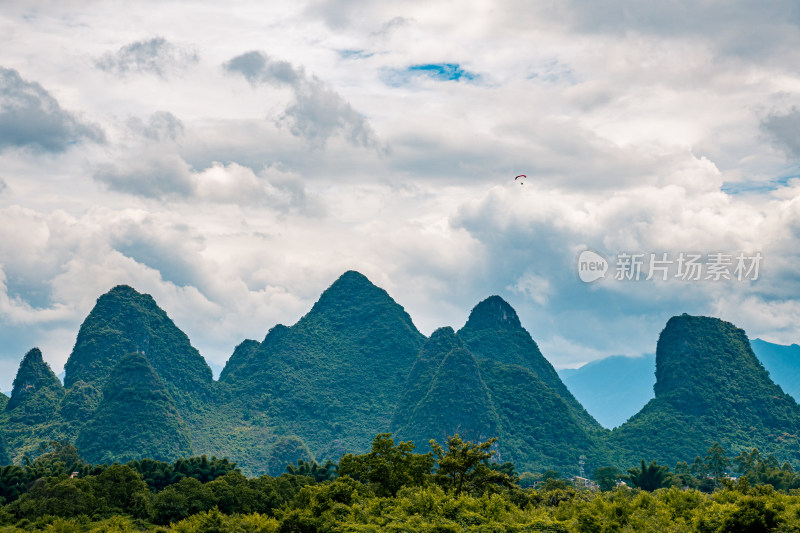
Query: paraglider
[521, 176]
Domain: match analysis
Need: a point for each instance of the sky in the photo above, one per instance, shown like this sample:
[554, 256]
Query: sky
[233, 159]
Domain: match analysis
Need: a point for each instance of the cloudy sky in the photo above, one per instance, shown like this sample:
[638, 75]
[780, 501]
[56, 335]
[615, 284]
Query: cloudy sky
[234, 161]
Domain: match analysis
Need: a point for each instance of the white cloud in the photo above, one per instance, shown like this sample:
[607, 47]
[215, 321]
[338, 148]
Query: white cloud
[317, 112]
[534, 287]
[155, 56]
[31, 118]
[236, 204]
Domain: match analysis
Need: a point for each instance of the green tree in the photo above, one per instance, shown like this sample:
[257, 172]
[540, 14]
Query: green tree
[683, 475]
[698, 468]
[56, 496]
[13, 480]
[120, 487]
[551, 474]
[462, 467]
[54, 458]
[717, 461]
[204, 469]
[649, 477]
[157, 474]
[388, 467]
[606, 477]
[760, 470]
[746, 461]
[751, 514]
[314, 470]
[185, 498]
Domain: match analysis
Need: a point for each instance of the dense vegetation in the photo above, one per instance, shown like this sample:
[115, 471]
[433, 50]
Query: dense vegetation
[709, 388]
[446, 393]
[333, 379]
[124, 321]
[494, 332]
[456, 488]
[491, 379]
[28, 415]
[123, 429]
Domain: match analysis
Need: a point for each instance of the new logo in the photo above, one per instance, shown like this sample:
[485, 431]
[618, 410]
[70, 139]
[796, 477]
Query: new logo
[591, 266]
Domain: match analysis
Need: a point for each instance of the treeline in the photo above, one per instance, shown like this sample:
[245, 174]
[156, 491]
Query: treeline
[454, 488]
[705, 474]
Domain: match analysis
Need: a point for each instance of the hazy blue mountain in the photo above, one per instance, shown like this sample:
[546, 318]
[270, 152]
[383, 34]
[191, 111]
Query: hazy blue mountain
[615, 388]
[612, 389]
[782, 363]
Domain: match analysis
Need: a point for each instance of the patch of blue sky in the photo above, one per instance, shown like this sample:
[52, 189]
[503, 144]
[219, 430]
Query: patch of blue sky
[435, 71]
[443, 71]
[758, 186]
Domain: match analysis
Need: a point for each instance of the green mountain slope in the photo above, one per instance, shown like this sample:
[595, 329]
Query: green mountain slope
[617, 387]
[5, 457]
[419, 380]
[238, 359]
[709, 387]
[78, 407]
[31, 417]
[33, 378]
[538, 427]
[125, 321]
[334, 377]
[497, 390]
[356, 366]
[136, 418]
[445, 395]
[494, 332]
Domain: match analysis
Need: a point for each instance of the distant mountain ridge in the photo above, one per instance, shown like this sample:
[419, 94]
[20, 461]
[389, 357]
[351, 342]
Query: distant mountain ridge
[615, 388]
[355, 365]
[612, 389]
